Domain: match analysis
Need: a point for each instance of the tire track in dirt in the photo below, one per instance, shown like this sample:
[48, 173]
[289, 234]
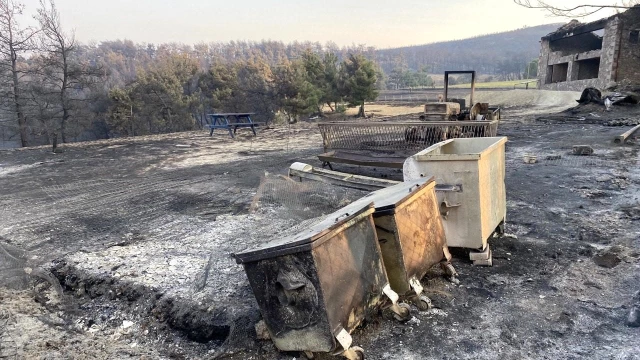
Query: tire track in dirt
[141, 205]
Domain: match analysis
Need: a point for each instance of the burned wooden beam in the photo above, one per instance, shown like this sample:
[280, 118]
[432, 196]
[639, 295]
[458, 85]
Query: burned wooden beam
[305, 171]
[362, 159]
[367, 183]
[622, 138]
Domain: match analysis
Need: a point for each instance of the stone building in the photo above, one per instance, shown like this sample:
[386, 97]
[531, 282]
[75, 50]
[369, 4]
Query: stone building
[598, 54]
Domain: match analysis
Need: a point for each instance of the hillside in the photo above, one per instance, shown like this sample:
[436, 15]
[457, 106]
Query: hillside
[488, 54]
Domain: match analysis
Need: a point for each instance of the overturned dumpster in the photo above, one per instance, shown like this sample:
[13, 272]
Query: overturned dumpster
[316, 286]
[475, 206]
[410, 234]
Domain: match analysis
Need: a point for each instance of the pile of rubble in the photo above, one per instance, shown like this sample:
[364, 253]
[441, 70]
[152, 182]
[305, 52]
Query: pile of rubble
[620, 108]
[593, 95]
[623, 122]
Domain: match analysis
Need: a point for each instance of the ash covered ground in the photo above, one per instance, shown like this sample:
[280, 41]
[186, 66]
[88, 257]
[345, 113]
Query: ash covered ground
[140, 232]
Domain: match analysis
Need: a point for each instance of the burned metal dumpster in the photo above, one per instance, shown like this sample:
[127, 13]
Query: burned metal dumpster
[316, 286]
[410, 233]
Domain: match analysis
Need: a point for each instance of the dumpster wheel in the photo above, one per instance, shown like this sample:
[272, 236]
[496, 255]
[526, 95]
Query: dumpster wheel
[423, 303]
[499, 231]
[354, 353]
[401, 312]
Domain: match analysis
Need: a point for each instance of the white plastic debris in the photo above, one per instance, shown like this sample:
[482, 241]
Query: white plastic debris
[126, 324]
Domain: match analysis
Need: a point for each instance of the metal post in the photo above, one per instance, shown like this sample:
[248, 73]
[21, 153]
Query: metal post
[473, 88]
[446, 86]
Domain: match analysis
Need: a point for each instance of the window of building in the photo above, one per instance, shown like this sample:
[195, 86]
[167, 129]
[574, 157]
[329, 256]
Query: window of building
[559, 72]
[633, 36]
[549, 78]
[578, 43]
[587, 69]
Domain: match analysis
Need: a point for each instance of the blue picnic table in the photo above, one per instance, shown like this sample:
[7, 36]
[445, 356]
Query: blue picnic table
[231, 122]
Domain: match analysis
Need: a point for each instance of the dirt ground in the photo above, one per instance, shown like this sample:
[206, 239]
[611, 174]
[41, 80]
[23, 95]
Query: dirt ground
[139, 233]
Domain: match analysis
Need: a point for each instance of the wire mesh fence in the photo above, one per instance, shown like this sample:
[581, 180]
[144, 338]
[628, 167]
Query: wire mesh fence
[12, 264]
[301, 201]
[407, 98]
[566, 160]
[400, 136]
[8, 347]
[17, 272]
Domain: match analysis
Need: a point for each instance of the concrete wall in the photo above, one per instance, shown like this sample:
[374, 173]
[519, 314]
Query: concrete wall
[544, 76]
[606, 71]
[628, 69]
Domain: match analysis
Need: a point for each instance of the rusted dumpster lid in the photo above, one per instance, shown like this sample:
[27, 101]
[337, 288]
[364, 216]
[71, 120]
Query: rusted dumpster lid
[311, 237]
[387, 199]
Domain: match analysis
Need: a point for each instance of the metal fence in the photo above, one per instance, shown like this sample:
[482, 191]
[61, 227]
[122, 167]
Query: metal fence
[400, 136]
[407, 98]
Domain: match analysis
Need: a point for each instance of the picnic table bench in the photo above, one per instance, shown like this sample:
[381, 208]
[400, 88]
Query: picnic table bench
[231, 122]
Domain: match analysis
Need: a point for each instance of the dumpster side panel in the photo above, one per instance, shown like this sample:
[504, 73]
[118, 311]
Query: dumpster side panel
[392, 253]
[462, 211]
[351, 274]
[289, 294]
[493, 197]
[421, 233]
[461, 223]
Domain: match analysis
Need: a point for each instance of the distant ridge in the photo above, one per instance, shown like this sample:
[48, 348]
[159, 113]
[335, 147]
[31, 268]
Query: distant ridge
[487, 54]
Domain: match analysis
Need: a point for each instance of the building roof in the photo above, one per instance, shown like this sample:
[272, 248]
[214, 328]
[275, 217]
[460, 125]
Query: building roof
[575, 27]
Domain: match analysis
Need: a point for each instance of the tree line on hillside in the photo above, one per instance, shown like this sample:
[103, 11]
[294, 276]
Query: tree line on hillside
[175, 94]
[505, 55]
[54, 88]
[402, 77]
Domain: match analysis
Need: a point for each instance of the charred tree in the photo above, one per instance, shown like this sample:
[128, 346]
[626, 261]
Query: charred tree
[64, 75]
[14, 41]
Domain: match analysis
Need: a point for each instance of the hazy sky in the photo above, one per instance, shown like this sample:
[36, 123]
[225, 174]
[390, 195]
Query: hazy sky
[380, 23]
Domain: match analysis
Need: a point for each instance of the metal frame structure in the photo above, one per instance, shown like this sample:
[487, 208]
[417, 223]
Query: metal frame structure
[473, 83]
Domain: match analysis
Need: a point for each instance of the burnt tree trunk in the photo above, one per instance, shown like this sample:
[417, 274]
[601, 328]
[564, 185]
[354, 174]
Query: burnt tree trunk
[63, 124]
[55, 142]
[63, 97]
[361, 111]
[22, 121]
[330, 107]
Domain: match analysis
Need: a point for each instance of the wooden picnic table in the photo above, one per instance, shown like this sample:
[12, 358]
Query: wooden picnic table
[231, 122]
